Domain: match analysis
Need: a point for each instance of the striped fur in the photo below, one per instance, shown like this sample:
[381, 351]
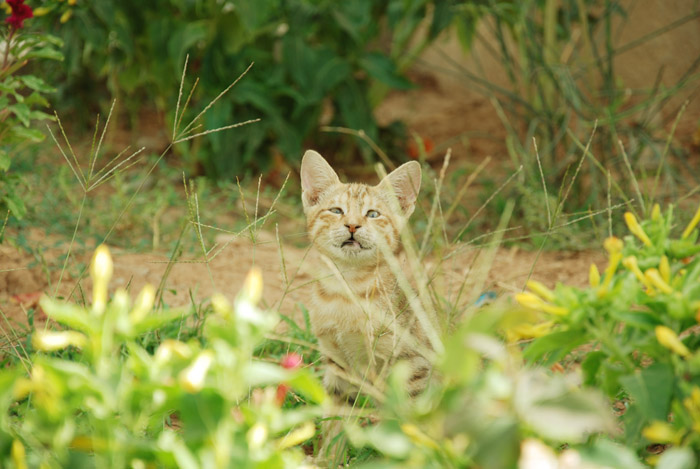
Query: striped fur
[358, 312]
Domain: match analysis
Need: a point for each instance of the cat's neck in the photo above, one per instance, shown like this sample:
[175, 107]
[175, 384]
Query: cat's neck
[360, 279]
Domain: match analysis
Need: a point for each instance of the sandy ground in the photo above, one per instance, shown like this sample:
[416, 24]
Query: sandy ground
[286, 285]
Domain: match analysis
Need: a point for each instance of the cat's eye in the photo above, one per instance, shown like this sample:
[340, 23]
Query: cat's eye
[372, 214]
[336, 210]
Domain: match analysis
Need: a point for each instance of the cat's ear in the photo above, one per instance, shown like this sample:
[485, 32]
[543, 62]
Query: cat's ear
[317, 176]
[404, 181]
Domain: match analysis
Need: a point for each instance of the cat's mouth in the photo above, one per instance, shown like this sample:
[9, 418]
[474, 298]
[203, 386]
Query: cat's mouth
[351, 243]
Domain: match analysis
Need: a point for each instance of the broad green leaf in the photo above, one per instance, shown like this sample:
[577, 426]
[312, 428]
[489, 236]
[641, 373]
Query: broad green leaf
[44, 53]
[69, 314]
[605, 453]
[591, 366]
[37, 84]
[557, 344]
[27, 133]
[308, 386]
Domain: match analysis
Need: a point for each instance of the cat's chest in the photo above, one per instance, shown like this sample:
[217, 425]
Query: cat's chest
[339, 310]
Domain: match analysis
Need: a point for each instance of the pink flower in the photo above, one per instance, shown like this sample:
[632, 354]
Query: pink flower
[291, 361]
[20, 12]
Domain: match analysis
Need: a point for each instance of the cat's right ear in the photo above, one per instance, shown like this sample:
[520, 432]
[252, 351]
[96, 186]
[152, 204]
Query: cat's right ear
[317, 176]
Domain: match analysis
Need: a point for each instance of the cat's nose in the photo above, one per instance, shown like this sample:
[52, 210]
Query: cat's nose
[352, 228]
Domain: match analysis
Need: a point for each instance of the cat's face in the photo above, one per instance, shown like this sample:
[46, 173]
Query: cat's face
[349, 222]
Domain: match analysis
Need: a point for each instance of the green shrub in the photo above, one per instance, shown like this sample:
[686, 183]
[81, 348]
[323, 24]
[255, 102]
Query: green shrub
[92, 395]
[314, 61]
[639, 322]
[21, 97]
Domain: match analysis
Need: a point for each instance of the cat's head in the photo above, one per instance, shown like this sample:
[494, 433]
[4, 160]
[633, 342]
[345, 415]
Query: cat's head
[348, 222]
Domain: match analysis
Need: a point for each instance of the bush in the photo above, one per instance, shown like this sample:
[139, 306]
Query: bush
[315, 61]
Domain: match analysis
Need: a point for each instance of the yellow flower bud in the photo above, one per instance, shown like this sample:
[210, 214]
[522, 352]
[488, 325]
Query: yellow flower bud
[665, 269]
[636, 228]
[417, 436]
[221, 305]
[144, 303]
[192, 378]
[41, 11]
[48, 341]
[691, 226]
[72, 2]
[19, 455]
[101, 270]
[257, 436]
[653, 276]
[593, 276]
[170, 348]
[66, 16]
[540, 290]
[656, 212]
[613, 244]
[670, 340]
[529, 300]
[297, 436]
[252, 288]
[660, 432]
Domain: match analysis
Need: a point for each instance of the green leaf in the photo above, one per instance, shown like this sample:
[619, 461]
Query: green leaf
[382, 68]
[20, 110]
[44, 53]
[591, 365]
[556, 344]
[36, 84]
[651, 390]
[442, 17]
[677, 458]
[605, 453]
[4, 160]
[26, 133]
[308, 386]
[68, 314]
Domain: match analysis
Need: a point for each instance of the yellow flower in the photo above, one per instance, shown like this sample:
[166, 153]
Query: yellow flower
[417, 436]
[594, 276]
[670, 340]
[540, 290]
[252, 288]
[192, 378]
[691, 226]
[19, 455]
[665, 269]
[257, 435]
[144, 303]
[636, 228]
[631, 264]
[297, 436]
[654, 277]
[101, 270]
[656, 212]
[66, 16]
[41, 11]
[528, 331]
[613, 244]
[660, 432]
[532, 301]
[48, 341]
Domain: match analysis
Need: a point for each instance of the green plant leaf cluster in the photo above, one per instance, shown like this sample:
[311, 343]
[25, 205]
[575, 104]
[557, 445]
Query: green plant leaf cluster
[93, 395]
[638, 321]
[316, 62]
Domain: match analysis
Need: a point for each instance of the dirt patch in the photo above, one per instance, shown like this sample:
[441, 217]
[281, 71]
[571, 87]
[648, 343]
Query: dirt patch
[287, 270]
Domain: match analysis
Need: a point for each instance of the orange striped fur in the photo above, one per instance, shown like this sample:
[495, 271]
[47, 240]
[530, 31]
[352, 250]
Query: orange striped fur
[358, 312]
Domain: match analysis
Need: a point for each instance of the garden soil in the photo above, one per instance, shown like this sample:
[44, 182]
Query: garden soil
[287, 283]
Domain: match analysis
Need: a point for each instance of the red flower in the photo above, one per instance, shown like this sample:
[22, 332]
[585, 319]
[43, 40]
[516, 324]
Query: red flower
[20, 12]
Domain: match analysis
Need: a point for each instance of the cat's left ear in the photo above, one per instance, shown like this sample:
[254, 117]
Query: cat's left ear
[404, 181]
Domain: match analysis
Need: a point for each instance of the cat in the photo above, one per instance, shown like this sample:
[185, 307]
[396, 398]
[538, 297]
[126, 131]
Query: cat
[358, 312]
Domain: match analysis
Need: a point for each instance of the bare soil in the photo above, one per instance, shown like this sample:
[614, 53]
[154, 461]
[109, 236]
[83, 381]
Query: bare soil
[286, 284]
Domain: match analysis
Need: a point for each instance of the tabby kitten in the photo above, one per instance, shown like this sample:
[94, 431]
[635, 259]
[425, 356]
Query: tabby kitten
[358, 312]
